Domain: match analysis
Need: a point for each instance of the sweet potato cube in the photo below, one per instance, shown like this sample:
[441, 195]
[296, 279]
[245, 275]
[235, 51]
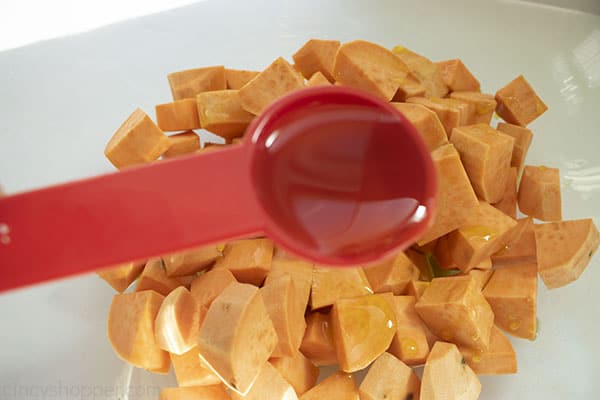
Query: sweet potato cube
[500, 358]
[486, 155]
[138, 140]
[318, 79]
[483, 104]
[564, 249]
[409, 87]
[270, 384]
[131, 329]
[520, 247]
[339, 386]
[189, 371]
[317, 55]
[456, 198]
[410, 343]
[518, 103]
[523, 137]
[212, 392]
[481, 276]
[317, 344]
[446, 376]
[508, 204]
[237, 336]
[450, 116]
[392, 275]
[249, 260]
[237, 78]
[191, 261]
[454, 309]
[457, 76]
[512, 294]
[221, 113]
[120, 277]
[416, 288]
[188, 83]
[180, 115]
[367, 66]
[178, 321]
[275, 81]
[153, 277]
[425, 70]
[363, 329]
[389, 378]
[427, 123]
[298, 370]
[206, 287]
[300, 272]
[183, 143]
[539, 193]
[331, 284]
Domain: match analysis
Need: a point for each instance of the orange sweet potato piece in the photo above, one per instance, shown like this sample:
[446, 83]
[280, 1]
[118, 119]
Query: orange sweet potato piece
[425, 70]
[410, 343]
[298, 370]
[275, 81]
[416, 288]
[484, 106]
[520, 247]
[300, 272]
[212, 392]
[131, 329]
[317, 55]
[427, 123]
[180, 115]
[409, 87]
[539, 193]
[564, 249]
[457, 76]
[523, 137]
[189, 371]
[450, 116]
[188, 83]
[122, 276]
[153, 277]
[318, 79]
[237, 78]
[481, 276]
[339, 386]
[518, 103]
[206, 287]
[331, 284]
[269, 384]
[178, 321]
[191, 261]
[183, 143]
[221, 113]
[500, 358]
[249, 260]
[228, 336]
[138, 140]
[508, 204]
[317, 344]
[392, 275]
[389, 378]
[370, 67]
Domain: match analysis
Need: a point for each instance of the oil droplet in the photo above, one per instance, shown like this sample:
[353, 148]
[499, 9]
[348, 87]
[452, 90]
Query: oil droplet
[475, 337]
[480, 232]
[483, 108]
[476, 358]
[409, 346]
[514, 324]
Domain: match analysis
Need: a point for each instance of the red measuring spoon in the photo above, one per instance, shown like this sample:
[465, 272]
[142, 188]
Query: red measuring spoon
[331, 174]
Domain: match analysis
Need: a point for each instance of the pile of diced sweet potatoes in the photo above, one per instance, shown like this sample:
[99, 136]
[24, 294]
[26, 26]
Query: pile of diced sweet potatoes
[246, 320]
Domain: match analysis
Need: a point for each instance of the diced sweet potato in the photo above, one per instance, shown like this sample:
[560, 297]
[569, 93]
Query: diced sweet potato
[275, 81]
[450, 116]
[416, 288]
[318, 79]
[410, 343]
[331, 284]
[508, 204]
[249, 260]
[298, 370]
[153, 277]
[484, 106]
[317, 344]
[454, 309]
[300, 272]
[180, 115]
[512, 294]
[221, 113]
[212, 392]
[178, 321]
[539, 193]
[122, 276]
[206, 287]
[456, 198]
[138, 140]
[183, 143]
[392, 275]
[188, 83]
[457, 76]
[564, 249]
[500, 358]
[410, 87]
[486, 155]
[518, 103]
[389, 378]
[339, 386]
[481, 277]
[370, 67]
[189, 371]
[191, 261]
[446, 376]
[269, 384]
[425, 70]
[316, 55]
[237, 336]
[427, 123]
[523, 137]
[131, 329]
[363, 329]
[520, 247]
[237, 78]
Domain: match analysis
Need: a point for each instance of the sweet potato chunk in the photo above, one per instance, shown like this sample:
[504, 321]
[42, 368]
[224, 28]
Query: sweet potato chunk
[275, 81]
[317, 344]
[339, 386]
[564, 249]
[188, 83]
[331, 284]
[131, 329]
[300, 272]
[249, 260]
[523, 137]
[221, 113]
[481, 276]
[425, 70]
[457, 76]
[269, 384]
[427, 123]
[237, 336]
[138, 140]
[370, 67]
[518, 103]
[206, 287]
[180, 115]
[153, 277]
[122, 276]
[512, 294]
[486, 155]
[191, 261]
[446, 376]
[508, 204]
[454, 309]
[389, 378]
[520, 247]
[450, 116]
[178, 321]
[416, 288]
[410, 343]
[539, 193]
[392, 275]
[183, 143]
[483, 104]
[363, 329]
[237, 78]
[189, 371]
[500, 358]
[410, 87]
[317, 55]
[212, 392]
[318, 79]
[298, 370]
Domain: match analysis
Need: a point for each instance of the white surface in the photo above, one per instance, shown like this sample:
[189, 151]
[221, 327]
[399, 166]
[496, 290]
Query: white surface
[61, 101]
